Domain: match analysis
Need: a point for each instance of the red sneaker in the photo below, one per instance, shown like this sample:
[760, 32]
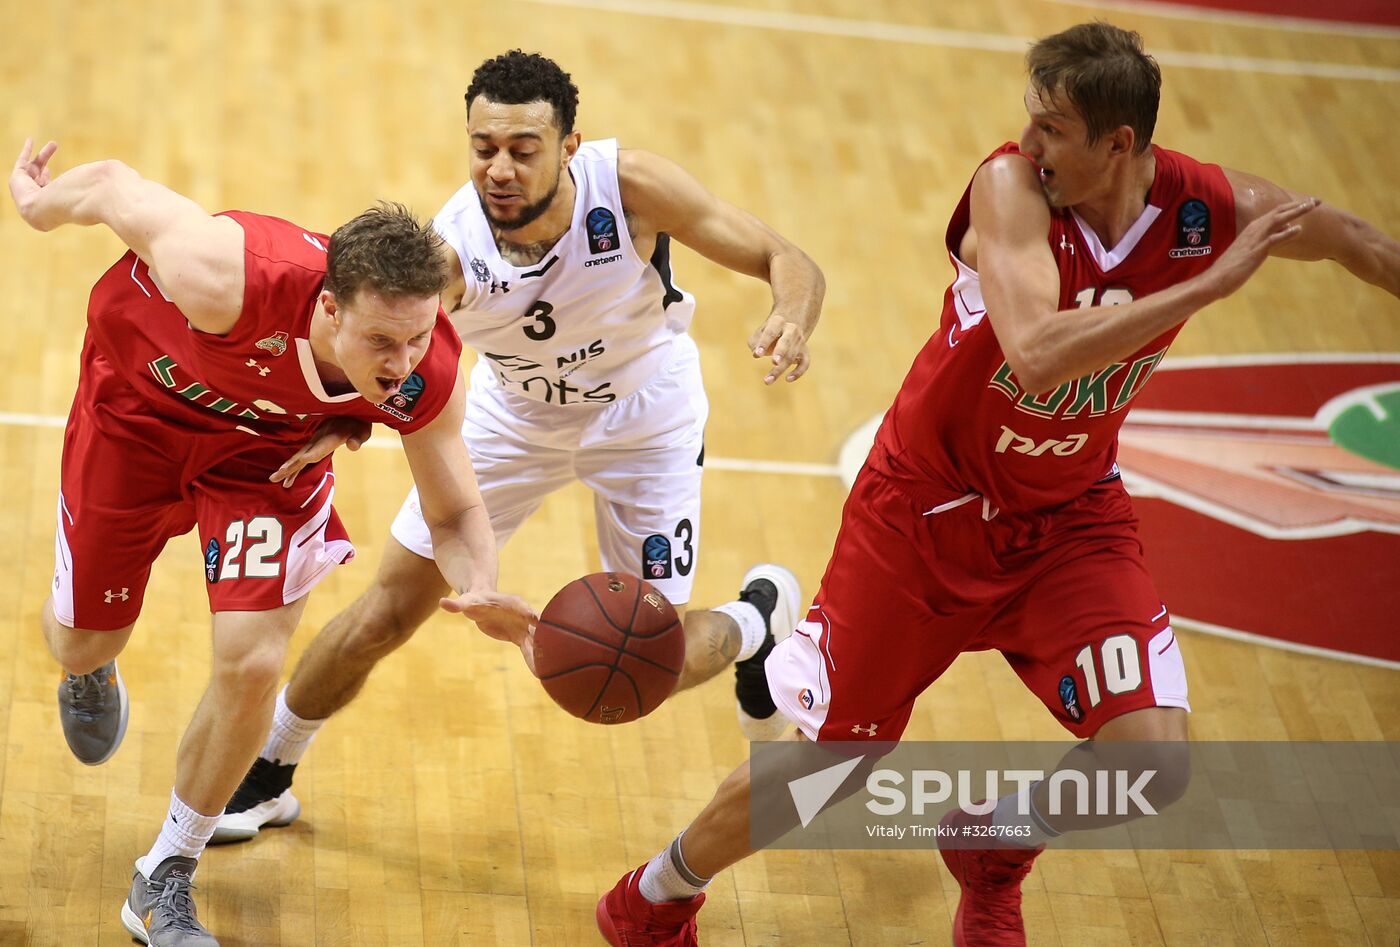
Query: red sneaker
[989, 910]
[627, 919]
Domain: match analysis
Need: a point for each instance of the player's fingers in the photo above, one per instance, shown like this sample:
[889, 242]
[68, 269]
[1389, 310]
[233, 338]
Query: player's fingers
[790, 344]
[47, 152]
[1294, 211]
[800, 366]
[787, 350]
[24, 153]
[778, 370]
[762, 340]
[290, 466]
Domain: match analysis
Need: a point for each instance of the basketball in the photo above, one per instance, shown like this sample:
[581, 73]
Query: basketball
[609, 648]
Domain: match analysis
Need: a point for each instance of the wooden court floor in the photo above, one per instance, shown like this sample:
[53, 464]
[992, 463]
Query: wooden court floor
[452, 803]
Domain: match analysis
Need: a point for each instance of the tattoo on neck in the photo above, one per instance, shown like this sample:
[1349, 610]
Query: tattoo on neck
[525, 254]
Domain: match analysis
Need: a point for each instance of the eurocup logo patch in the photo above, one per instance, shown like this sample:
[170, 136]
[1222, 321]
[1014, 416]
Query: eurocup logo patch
[656, 557]
[211, 560]
[1069, 696]
[602, 230]
[1192, 229]
[409, 393]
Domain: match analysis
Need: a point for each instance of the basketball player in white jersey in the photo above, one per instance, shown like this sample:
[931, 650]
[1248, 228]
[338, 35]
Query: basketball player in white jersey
[560, 252]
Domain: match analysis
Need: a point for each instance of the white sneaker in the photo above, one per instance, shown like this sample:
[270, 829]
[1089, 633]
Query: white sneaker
[263, 798]
[777, 595]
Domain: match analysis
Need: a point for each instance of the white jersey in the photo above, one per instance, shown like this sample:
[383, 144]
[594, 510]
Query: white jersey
[590, 323]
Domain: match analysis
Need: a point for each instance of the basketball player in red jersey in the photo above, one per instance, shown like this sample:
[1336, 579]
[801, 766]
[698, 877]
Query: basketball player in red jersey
[990, 513]
[214, 348]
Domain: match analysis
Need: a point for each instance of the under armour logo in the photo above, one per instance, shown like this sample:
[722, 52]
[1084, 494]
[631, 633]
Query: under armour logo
[868, 731]
[110, 596]
[253, 363]
[503, 286]
[1066, 245]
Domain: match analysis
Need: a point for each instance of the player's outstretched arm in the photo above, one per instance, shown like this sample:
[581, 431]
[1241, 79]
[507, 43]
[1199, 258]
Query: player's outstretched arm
[463, 542]
[668, 199]
[1020, 282]
[1327, 233]
[197, 258]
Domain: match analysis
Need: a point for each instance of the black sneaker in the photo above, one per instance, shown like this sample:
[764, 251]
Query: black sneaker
[775, 592]
[263, 798]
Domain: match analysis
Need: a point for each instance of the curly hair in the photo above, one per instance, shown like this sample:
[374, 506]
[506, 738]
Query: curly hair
[1105, 74]
[387, 250]
[518, 77]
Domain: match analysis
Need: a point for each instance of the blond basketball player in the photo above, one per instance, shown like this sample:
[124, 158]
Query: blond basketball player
[562, 283]
[990, 512]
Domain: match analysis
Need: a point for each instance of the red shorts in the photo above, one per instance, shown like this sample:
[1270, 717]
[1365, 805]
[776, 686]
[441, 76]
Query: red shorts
[1063, 594]
[132, 479]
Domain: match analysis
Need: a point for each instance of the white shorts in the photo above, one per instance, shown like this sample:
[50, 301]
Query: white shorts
[641, 456]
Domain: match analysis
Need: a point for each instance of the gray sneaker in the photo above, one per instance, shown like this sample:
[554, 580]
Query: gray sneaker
[93, 708]
[160, 911]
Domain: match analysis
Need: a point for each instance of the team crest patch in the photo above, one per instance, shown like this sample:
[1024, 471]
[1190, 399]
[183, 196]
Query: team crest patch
[602, 230]
[275, 343]
[479, 270]
[805, 698]
[409, 393]
[1069, 696]
[1192, 229]
[211, 560]
[656, 557]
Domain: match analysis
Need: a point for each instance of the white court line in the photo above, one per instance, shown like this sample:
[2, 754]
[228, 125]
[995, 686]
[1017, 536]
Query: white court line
[953, 39]
[388, 440]
[1263, 21]
[32, 420]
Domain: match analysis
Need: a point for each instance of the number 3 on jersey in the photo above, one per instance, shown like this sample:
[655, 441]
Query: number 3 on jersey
[540, 326]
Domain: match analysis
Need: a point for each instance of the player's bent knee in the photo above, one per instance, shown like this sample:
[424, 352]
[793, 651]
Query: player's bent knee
[1153, 740]
[384, 619]
[251, 678]
[82, 650]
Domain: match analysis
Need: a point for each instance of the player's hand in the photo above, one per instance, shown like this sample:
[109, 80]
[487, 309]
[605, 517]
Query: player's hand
[503, 617]
[785, 343]
[1255, 242]
[29, 177]
[332, 433]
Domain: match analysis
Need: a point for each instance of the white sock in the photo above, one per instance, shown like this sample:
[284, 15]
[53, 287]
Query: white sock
[1032, 831]
[666, 877]
[290, 735]
[184, 832]
[752, 628]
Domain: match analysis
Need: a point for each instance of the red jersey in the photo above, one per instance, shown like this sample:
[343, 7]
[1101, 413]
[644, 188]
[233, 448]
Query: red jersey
[260, 377]
[962, 423]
